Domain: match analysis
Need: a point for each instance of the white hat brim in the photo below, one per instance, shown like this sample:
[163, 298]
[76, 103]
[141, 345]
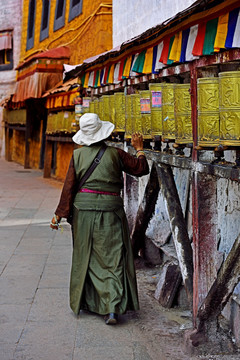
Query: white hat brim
[104, 132]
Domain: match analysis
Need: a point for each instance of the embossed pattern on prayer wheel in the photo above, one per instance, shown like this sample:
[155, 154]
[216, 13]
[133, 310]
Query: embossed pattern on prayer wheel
[168, 119]
[156, 108]
[91, 106]
[119, 101]
[100, 108]
[182, 107]
[145, 113]
[229, 106]
[112, 109]
[136, 113]
[128, 117]
[106, 108]
[96, 106]
[208, 112]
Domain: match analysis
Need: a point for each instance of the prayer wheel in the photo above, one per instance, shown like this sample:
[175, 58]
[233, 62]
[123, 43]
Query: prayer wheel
[106, 108]
[168, 119]
[100, 108]
[96, 106]
[128, 117]
[119, 102]
[229, 106]
[208, 112]
[136, 113]
[91, 106]
[182, 107]
[145, 113]
[112, 109]
[86, 104]
[156, 108]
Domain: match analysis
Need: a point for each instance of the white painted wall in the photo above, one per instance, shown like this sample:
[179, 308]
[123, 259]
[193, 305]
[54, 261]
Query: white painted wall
[132, 17]
[10, 18]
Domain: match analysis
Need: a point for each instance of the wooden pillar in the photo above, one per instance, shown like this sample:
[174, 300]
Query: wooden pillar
[193, 92]
[27, 137]
[8, 135]
[204, 237]
[178, 226]
[47, 159]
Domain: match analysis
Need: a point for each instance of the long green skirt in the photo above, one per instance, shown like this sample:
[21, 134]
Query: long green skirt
[103, 276]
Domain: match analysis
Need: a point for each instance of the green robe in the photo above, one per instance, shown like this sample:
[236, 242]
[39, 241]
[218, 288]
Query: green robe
[103, 276]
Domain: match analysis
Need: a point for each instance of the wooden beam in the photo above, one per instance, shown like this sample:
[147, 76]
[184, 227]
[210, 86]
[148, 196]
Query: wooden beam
[47, 159]
[178, 226]
[145, 212]
[8, 135]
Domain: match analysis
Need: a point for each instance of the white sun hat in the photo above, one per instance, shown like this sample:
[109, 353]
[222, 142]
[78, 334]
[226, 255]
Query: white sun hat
[92, 130]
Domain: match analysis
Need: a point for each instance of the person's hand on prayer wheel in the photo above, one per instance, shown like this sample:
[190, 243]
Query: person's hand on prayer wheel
[137, 141]
[55, 222]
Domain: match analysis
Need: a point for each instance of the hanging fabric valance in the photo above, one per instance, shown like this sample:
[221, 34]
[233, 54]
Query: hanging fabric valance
[5, 40]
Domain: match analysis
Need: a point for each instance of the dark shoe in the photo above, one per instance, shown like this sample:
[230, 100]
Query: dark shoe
[111, 319]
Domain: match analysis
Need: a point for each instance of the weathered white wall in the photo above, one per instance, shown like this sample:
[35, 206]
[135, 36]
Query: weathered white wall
[10, 18]
[132, 17]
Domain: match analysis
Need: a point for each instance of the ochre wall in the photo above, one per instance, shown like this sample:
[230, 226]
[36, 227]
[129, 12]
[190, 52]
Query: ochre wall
[17, 144]
[63, 157]
[92, 30]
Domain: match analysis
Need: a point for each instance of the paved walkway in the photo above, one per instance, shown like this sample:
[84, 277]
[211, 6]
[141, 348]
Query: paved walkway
[36, 322]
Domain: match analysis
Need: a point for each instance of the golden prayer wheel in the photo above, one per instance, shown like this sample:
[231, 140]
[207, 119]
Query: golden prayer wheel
[168, 119]
[119, 102]
[128, 117]
[96, 106]
[100, 108]
[229, 106]
[91, 106]
[136, 113]
[183, 121]
[156, 108]
[208, 112]
[145, 108]
[86, 104]
[112, 109]
[106, 108]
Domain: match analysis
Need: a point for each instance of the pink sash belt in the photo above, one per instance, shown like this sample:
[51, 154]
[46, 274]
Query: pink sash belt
[98, 192]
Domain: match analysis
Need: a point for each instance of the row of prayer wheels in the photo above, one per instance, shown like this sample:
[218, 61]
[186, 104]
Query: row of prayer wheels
[163, 110]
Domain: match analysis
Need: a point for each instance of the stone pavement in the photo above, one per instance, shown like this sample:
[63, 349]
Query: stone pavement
[36, 322]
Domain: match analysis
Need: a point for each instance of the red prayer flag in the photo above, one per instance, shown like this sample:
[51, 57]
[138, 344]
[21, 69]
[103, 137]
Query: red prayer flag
[199, 42]
[164, 56]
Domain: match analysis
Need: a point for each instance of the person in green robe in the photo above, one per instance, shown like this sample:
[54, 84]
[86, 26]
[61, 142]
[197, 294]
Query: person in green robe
[103, 278]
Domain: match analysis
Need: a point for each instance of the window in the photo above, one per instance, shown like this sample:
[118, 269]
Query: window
[45, 19]
[75, 9]
[31, 23]
[6, 50]
[59, 14]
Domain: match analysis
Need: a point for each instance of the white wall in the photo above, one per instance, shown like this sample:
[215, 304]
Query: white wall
[10, 18]
[132, 17]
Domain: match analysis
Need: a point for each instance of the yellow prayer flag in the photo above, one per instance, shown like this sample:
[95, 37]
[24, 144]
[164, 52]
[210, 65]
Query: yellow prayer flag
[85, 85]
[111, 74]
[176, 47]
[127, 68]
[147, 67]
[221, 34]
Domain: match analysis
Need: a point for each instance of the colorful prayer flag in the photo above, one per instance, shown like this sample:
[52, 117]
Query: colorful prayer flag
[127, 67]
[116, 73]
[222, 30]
[190, 44]
[210, 35]
[199, 42]
[236, 37]
[138, 64]
[91, 76]
[165, 50]
[169, 61]
[175, 52]
[185, 35]
[147, 67]
[85, 84]
[232, 22]
[159, 65]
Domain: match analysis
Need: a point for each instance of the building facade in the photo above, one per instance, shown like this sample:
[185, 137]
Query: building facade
[10, 36]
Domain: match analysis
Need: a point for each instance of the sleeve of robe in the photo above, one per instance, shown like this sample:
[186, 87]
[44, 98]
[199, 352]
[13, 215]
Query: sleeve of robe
[131, 165]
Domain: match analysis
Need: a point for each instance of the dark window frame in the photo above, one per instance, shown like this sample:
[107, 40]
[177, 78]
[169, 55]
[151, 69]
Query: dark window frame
[60, 21]
[44, 33]
[9, 65]
[30, 40]
[75, 10]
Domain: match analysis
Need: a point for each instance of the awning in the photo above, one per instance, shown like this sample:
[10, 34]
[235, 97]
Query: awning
[40, 73]
[5, 40]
